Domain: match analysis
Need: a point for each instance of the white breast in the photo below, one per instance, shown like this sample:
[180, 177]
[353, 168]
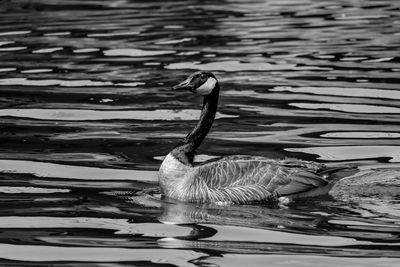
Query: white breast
[172, 174]
[171, 167]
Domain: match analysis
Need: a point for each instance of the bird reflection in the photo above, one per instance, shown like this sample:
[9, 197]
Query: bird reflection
[265, 216]
[272, 215]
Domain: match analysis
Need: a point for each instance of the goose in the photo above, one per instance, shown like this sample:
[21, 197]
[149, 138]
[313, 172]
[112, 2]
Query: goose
[238, 179]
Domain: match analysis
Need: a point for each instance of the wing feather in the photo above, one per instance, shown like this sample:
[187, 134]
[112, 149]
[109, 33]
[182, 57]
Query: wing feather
[301, 181]
[246, 179]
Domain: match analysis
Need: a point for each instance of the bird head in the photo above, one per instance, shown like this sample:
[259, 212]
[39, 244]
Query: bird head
[200, 82]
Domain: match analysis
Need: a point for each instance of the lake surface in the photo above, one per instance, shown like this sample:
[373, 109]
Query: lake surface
[86, 115]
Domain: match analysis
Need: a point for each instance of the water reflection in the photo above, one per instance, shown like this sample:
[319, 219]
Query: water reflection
[86, 114]
[232, 228]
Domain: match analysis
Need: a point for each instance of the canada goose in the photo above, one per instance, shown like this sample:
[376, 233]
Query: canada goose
[233, 179]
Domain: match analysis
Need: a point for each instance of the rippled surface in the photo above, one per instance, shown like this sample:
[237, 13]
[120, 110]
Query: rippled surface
[86, 114]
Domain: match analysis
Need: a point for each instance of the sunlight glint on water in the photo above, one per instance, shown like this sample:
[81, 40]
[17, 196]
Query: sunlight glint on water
[87, 114]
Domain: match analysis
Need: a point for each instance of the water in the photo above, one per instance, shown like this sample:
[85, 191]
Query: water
[86, 115]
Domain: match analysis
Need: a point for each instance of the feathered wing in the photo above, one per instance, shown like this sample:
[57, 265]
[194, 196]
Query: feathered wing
[248, 179]
[300, 182]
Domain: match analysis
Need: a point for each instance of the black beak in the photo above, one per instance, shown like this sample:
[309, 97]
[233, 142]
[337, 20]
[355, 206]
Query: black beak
[185, 85]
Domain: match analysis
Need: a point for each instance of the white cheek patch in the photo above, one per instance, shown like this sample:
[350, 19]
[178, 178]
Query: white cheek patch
[207, 87]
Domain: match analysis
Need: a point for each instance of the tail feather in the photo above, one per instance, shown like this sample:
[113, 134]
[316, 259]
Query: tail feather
[302, 181]
[310, 179]
[308, 184]
[336, 173]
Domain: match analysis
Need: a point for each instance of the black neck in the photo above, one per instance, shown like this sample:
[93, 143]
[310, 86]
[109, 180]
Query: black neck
[185, 151]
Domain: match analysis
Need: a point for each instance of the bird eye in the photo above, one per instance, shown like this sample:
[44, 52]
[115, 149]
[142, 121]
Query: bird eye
[203, 76]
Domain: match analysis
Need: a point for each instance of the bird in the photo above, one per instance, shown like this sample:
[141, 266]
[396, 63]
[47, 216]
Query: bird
[237, 179]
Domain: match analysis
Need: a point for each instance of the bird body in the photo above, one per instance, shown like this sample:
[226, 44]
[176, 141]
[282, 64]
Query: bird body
[237, 179]
[233, 179]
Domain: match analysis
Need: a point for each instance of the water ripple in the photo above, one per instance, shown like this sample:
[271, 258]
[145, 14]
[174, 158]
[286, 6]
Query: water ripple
[130, 52]
[345, 92]
[354, 108]
[89, 115]
[86, 115]
[43, 169]
[352, 152]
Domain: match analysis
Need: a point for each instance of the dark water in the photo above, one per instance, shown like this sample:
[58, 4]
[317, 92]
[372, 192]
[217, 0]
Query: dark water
[86, 113]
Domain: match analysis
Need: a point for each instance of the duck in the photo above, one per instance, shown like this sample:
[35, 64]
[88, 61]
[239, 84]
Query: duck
[237, 179]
